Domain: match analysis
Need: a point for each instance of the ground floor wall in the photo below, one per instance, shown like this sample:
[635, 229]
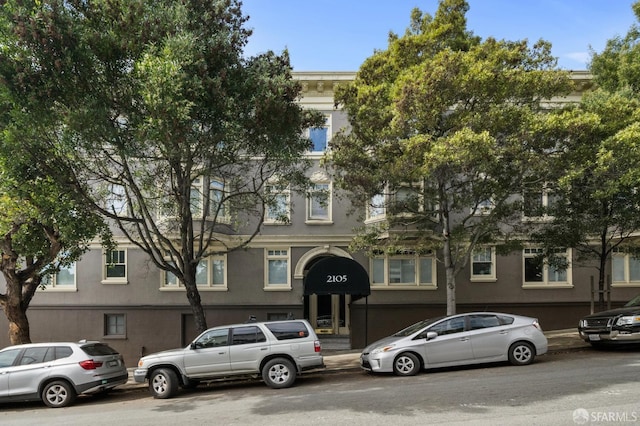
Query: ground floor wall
[155, 328]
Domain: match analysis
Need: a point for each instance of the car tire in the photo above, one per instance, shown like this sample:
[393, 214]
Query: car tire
[406, 364]
[279, 373]
[163, 383]
[521, 353]
[58, 394]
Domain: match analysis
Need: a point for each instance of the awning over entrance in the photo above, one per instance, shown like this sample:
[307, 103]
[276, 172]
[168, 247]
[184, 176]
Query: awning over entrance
[337, 275]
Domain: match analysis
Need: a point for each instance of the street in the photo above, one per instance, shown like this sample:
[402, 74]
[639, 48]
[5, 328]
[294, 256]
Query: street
[584, 387]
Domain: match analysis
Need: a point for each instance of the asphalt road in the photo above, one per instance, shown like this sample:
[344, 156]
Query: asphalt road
[585, 387]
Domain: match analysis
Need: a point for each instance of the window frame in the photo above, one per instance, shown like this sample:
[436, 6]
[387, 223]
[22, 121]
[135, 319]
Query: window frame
[626, 259]
[278, 191]
[107, 326]
[51, 282]
[327, 127]
[533, 252]
[106, 279]
[492, 277]
[311, 201]
[546, 201]
[209, 285]
[417, 260]
[277, 254]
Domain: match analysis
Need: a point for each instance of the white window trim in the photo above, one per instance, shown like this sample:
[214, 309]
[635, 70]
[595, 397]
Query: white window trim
[279, 191]
[209, 286]
[545, 283]
[115, 280]
[320, 221]
[267, 257]
[386, 285]
[627, 282]
[374, 204]
[545, 204]
[327, 125]
[52, 285]
[484, 278]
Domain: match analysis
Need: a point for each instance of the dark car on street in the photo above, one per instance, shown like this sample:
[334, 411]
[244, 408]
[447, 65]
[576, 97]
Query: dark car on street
[613, 327]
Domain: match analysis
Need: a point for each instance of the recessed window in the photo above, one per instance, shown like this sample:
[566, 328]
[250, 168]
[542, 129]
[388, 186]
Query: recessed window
[406, 269]
[278, 212]
[483, 264]
[115, 325]
[625, 268]
[539, 271]
[210, 275]
[319, 203]
[63, 280]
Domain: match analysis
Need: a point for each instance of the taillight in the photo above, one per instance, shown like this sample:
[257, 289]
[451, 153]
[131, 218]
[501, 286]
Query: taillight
[90, 364]
[316, 346]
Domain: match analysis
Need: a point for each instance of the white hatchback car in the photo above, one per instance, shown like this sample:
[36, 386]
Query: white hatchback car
[57, 372]
[471, 338]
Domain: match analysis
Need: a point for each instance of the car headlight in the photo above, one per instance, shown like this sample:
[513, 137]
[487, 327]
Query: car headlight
[383, 349]
[630, 320]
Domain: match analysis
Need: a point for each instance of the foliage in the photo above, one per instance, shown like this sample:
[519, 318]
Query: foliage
[457, 119]
[167, 129]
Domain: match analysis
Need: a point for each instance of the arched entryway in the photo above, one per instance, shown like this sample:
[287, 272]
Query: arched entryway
[330, 284]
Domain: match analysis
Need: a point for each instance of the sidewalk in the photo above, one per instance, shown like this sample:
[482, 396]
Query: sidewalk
[342, 360]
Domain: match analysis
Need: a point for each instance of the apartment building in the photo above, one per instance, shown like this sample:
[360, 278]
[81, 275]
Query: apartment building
[304, 269]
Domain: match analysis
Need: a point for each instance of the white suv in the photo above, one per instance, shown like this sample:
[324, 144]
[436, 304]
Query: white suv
[276, 350]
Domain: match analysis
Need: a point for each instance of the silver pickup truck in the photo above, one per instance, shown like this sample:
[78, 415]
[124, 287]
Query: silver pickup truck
[276, 350]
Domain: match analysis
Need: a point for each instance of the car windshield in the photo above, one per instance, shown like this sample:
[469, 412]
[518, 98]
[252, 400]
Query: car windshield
[416, 327]
[633, 302]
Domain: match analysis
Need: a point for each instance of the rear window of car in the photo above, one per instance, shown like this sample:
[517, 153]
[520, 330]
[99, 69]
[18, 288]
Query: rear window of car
[288, 330]
[97, 349]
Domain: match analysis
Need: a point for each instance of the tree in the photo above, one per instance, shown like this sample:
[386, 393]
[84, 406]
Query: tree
[167, 129]
[598, 204]
[43, 227]
[457, 120]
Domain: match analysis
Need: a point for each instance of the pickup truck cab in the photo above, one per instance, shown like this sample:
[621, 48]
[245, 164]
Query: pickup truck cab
[276, 350]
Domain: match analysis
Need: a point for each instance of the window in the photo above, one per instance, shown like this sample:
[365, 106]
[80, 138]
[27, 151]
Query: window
[210, 275]
[213, 339]
[217, 208]
[483, 264]
[279, 211]
[320, 136]
[625, 268]
[538, 203]
[277, 267]
[115, 325]
[319, 203]
[247, 335]
[288, 330]
[116, 199]
[63, 280]
[376, 207]
[450, 326]
[115, 268]
[403, 270]
[538, 272]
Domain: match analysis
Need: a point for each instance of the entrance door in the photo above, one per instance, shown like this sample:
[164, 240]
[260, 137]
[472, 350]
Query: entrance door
[330, 313]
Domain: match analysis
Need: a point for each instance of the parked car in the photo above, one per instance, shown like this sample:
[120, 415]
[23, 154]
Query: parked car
[276, 350]
[471, 338]
[57, 372]
[615, 326]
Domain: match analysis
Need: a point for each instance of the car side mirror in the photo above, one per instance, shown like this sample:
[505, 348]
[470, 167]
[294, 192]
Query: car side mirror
[431, 335]
[193, 345]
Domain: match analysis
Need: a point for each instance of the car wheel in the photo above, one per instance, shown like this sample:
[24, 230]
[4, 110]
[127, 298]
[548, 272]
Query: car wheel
[521, 353]
[279, 373]
[163, 383]
[406, 364]
[58, 394]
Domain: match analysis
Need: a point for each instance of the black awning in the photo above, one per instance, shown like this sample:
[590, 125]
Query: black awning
[337, 275]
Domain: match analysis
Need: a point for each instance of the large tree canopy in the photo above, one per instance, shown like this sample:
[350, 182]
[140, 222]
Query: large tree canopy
[459, 120]
[167, 129]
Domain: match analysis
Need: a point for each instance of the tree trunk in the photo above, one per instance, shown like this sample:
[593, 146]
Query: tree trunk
[193, 295]
[18, 324]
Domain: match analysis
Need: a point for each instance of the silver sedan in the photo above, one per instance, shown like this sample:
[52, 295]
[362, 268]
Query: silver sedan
[471, 338]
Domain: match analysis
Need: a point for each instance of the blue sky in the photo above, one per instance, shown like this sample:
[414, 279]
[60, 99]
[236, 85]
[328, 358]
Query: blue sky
[338, 35]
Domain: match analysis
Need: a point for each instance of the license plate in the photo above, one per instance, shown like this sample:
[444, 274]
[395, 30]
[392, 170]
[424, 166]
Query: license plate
[112, 363]
[594, 337]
